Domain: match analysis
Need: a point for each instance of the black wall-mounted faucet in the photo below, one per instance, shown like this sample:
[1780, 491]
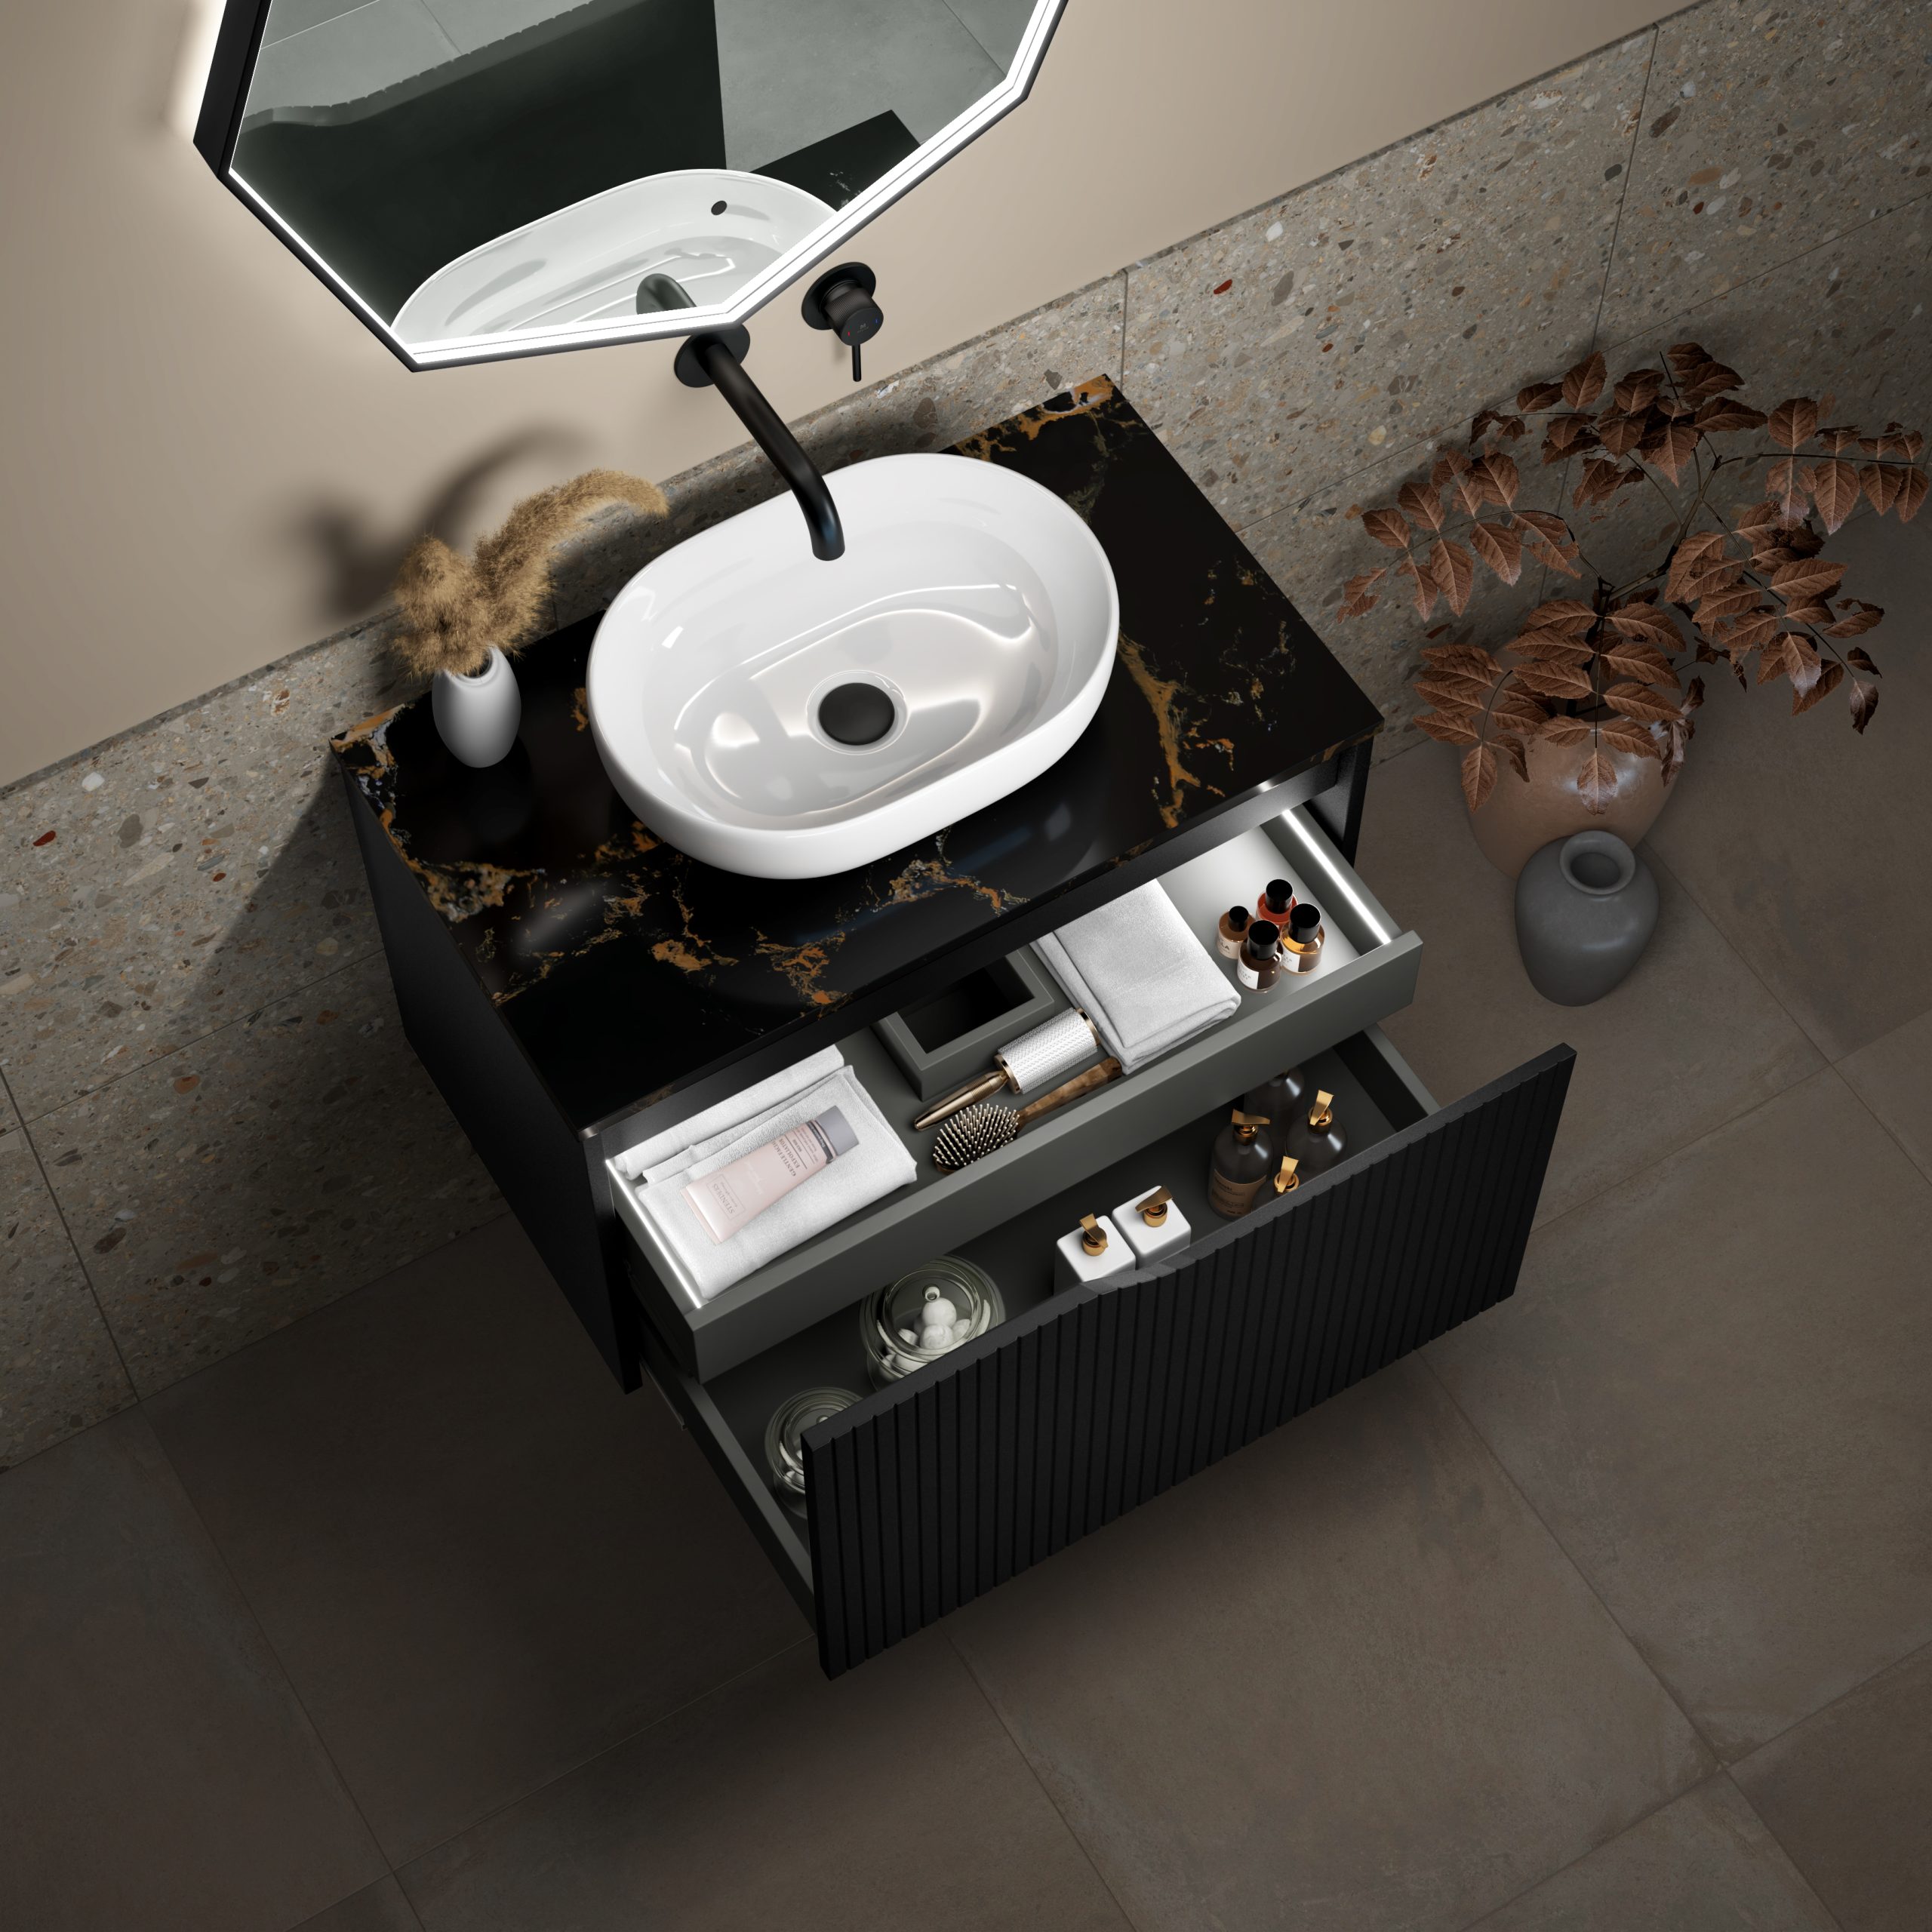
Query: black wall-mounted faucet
[717, 360]
[842, 300]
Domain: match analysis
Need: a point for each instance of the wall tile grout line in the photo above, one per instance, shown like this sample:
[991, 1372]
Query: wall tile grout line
[1623, 199]
[254, 1012]
[1021, 1752]
[80, 1262]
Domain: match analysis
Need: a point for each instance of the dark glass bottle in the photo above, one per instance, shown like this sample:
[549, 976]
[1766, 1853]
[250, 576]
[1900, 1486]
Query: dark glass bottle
[1231, 931]
[1280, 1099]
[1259, 965]
[1243, 1159]
[1316, 1140]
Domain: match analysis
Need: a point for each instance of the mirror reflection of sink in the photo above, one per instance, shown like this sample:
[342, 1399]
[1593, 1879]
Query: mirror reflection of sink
[584, 264]
[783, 718]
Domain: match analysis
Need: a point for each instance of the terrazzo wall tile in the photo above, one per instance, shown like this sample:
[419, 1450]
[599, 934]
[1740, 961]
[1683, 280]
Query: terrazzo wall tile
[993, 376]
[269, 1167]
[1312, 548]
[168, 880]
[58, 1370]
[1767, 130]
[1390, 302]
[1851, 321]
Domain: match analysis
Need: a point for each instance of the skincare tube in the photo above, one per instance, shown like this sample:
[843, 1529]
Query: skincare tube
[724, 1202]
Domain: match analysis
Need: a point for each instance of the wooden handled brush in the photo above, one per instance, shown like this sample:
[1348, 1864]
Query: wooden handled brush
[984, 1129]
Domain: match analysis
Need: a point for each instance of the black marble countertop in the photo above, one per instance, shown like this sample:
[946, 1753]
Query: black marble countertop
[627, 970]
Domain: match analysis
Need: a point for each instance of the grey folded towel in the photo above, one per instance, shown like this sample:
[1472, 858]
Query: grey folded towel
[1145, 981]
[874, 1168]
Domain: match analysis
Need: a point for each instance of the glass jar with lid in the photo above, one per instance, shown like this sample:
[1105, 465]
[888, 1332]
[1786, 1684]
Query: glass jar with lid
[926, 1315]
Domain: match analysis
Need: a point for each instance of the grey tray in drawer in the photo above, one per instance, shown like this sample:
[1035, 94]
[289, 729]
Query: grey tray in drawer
[1368, 971]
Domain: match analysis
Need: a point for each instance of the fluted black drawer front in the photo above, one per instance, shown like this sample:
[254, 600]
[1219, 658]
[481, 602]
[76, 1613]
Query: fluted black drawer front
[932, 1492]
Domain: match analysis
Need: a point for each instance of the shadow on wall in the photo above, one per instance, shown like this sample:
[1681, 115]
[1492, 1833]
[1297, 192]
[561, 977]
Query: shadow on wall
[358, 562]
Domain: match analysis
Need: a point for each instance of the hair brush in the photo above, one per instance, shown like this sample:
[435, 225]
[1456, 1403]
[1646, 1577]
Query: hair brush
[986, 1129]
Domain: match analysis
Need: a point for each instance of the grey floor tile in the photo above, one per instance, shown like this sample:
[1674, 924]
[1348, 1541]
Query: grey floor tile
[891, 1798]
[997, 25]
[157, 1771]
[1344, 1680]
[1849, 1794]
[350, 56]
[1711, 1386]
[183, 874]
[259, 1174]
[1893, 1076]
[480, 1562]
[793, 72]
[1738, 169]
[1389, 302]
[1811, 847]
[378, 1908]
[58, 1369]
[1705, 1863]
[1690, 1040]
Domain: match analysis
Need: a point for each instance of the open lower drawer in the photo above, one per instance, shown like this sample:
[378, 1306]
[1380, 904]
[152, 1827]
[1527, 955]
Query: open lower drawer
[1367, 970]
[1087, 1401]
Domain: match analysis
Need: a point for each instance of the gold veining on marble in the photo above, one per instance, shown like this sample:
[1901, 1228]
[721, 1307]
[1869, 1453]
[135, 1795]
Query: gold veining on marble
[1161, 694]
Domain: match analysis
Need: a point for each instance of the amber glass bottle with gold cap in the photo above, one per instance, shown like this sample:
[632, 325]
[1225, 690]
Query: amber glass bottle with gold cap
[1316, 1140]
[1243, 1159]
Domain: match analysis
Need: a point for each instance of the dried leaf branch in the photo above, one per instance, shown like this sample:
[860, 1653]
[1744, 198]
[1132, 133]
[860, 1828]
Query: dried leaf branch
[456, 609]
[1749, 583]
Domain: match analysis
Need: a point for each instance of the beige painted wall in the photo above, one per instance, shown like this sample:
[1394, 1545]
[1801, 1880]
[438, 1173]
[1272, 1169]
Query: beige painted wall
[206, 462]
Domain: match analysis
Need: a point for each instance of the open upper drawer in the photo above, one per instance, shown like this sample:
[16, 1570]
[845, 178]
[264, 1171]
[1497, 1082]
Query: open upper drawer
[1086, 1401]
[1367, 970]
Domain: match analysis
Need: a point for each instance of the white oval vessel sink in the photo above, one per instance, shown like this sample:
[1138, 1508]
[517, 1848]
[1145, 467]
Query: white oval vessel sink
[967, 632]
[710, 229]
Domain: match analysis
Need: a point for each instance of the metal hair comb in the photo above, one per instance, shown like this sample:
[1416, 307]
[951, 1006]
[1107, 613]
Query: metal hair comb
[986, 1129]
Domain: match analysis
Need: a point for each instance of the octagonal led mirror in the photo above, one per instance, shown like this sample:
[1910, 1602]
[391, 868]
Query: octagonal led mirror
[479, 179]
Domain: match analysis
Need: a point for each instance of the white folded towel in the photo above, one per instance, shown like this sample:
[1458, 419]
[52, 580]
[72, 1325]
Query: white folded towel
[1145, 981]
[673, 1149]
[873, 1169]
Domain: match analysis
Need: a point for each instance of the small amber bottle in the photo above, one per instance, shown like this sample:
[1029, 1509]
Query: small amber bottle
[1259, 965]
[1243, 1159]
[1233, 930]
[1277, 901]
[1301, 941]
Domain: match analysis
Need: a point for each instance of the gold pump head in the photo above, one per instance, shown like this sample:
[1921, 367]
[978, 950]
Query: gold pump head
[1092, 1236]
[1247, 1125]
[1322, 1113]
[1153, 1210]
[1288, 1180]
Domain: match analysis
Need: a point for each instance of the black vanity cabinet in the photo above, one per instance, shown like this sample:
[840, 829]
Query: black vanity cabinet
[574, 986]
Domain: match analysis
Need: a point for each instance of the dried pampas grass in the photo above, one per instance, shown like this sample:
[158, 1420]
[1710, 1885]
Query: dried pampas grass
[455, 610]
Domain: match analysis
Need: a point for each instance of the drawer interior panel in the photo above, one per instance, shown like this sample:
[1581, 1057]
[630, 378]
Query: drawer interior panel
[733, 1408]
[1101, 1398]
[1367, 970]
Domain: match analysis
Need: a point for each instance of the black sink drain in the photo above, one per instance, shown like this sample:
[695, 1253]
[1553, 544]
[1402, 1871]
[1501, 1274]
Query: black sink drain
[855, 714]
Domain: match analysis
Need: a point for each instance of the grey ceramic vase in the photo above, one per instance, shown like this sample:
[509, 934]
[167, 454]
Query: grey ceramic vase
[1586, 906]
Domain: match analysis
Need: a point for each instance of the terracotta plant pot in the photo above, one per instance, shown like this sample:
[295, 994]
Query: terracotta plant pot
[1517, 820]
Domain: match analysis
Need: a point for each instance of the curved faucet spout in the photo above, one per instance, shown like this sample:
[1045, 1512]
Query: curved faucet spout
[709, 360]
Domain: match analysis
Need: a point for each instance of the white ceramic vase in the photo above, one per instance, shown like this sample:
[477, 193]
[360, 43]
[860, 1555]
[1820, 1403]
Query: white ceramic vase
[477, 714]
